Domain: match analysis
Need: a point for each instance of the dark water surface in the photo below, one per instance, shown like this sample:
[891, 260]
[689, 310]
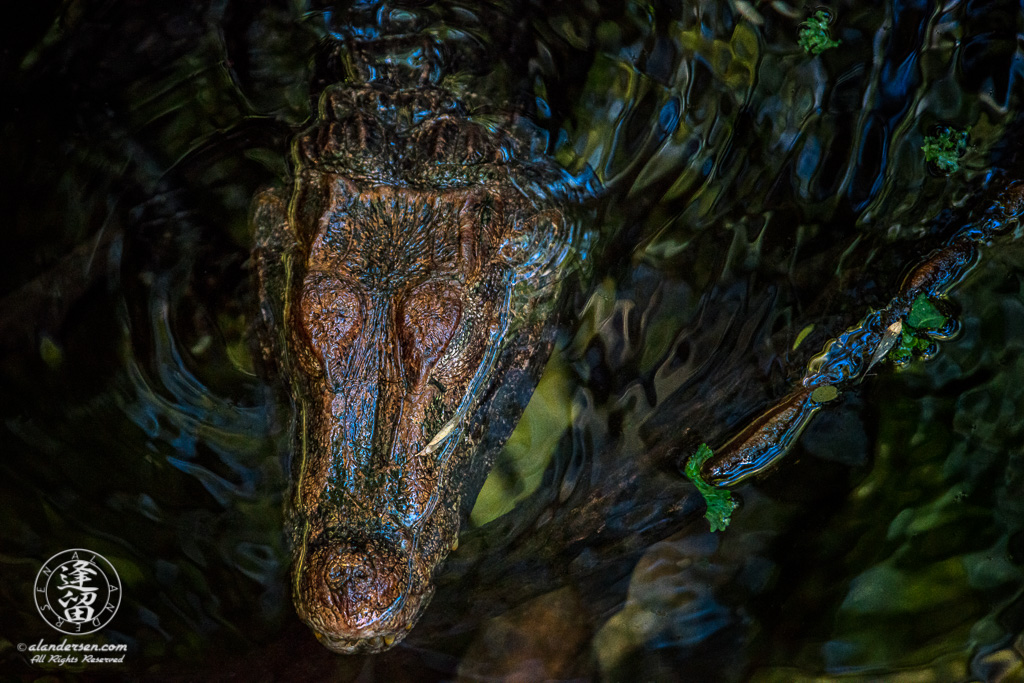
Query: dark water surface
[758, 201]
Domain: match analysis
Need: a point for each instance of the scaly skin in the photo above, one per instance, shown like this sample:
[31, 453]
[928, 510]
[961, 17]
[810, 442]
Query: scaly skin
[407, 289]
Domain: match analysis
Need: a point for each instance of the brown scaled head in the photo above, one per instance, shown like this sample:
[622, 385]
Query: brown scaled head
[402, 307]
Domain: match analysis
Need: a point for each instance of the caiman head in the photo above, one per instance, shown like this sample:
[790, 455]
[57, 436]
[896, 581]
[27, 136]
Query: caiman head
[409, 322]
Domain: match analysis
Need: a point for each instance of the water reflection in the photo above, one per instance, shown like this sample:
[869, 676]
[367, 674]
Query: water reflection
[754, 193]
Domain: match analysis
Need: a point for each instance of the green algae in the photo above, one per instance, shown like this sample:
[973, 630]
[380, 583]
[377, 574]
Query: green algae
[946, 148]
[923, 316]
[814, 37]
[719, 500]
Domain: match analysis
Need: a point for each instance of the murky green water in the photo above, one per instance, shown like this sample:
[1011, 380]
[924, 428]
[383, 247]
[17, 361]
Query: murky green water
[756, 196]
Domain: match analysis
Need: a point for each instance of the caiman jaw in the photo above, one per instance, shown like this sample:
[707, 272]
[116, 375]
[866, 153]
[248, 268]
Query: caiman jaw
[361, 585]
[374, 534]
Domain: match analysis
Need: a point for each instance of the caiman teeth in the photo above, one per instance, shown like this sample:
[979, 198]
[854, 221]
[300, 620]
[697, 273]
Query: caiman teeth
[357, 645]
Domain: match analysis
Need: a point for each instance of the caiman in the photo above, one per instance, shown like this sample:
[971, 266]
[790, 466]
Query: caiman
[408, 281]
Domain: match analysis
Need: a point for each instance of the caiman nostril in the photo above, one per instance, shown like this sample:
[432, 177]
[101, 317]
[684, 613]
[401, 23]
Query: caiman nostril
[353, 588]
[359, 589]
[359, 597]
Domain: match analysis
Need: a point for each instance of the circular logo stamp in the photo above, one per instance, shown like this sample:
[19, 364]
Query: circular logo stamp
[77, 591]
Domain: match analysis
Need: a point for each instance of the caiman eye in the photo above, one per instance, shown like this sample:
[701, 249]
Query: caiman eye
[429, 316]
[330, 314]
